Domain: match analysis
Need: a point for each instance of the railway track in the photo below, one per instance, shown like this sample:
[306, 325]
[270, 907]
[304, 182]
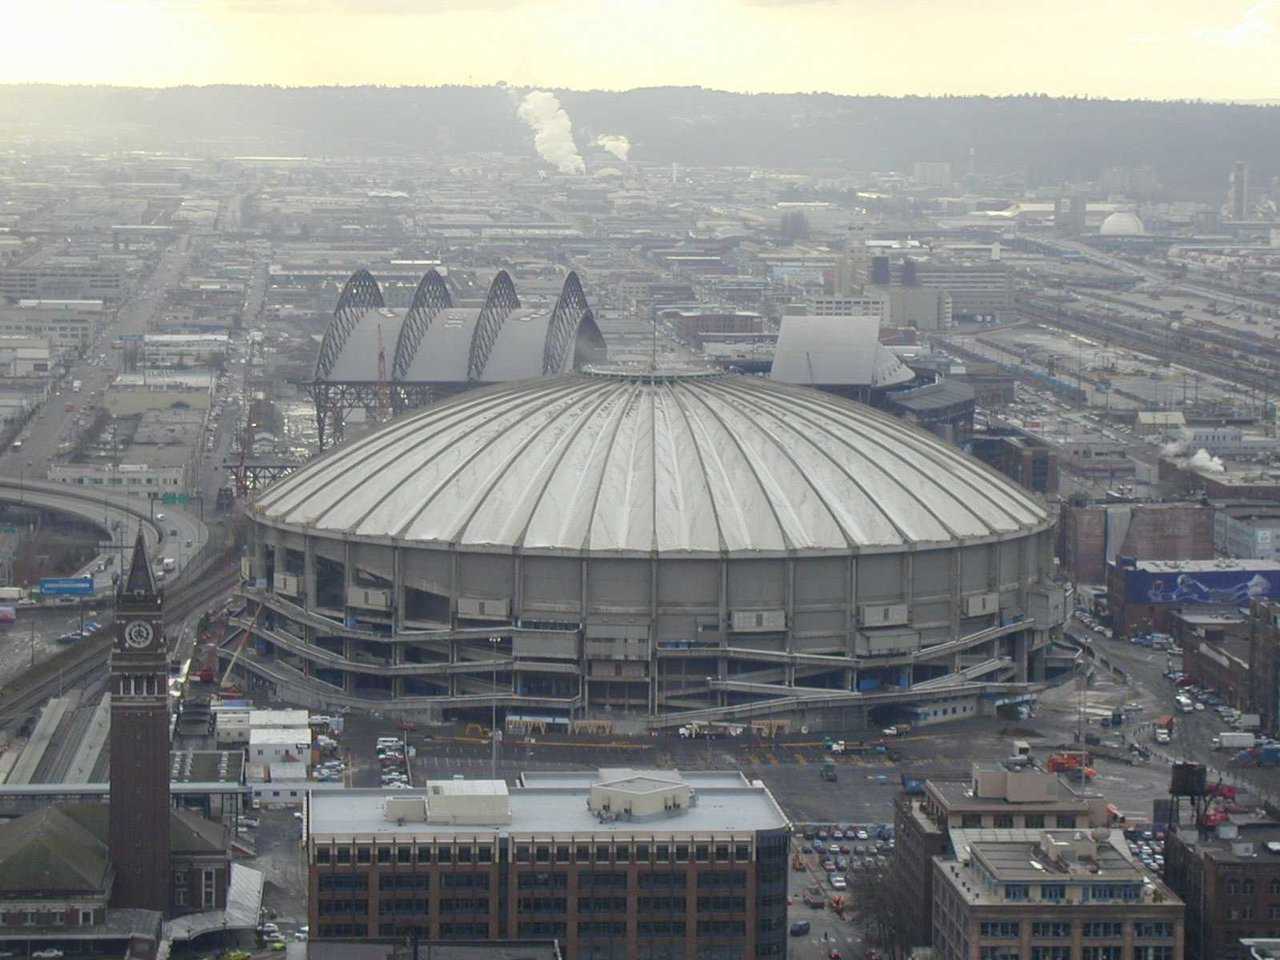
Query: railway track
[72, 667]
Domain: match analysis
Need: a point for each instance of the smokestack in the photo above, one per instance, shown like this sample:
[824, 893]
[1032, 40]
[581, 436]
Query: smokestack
[552, 131]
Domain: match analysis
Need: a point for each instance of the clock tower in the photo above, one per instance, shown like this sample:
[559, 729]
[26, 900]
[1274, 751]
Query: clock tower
[140, 742]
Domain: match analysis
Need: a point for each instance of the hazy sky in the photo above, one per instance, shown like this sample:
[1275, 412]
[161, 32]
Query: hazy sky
[1114, 48]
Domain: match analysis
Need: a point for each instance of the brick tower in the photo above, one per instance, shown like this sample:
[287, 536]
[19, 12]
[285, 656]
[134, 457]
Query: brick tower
[140, 742]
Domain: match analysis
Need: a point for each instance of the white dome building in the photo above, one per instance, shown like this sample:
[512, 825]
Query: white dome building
[651, 543]
[1122, 223]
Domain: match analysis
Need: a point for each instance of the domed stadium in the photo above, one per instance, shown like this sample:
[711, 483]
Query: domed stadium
[1122, 224]
[677, 546]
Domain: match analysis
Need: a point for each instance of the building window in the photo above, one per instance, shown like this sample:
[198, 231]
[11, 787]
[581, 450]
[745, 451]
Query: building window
[1050, 953]
[542, 854]
[1239, 913]
[1017, 892]
[1051, 929]
[562, 854]
[1097, 929]
[1000, 929]
[971, 821]
[701, 852]
[384, 854]
[1108, 952]
[582, 853]
[1066, 820]
[180, 896]
[363, 854]
[1002, 821]
[344, 855]
[403, 854]
[1163, 952]
[661, 853]
[1053, 891]
[1153, 929]
[86, 916]
[602, 853]
[209, 888]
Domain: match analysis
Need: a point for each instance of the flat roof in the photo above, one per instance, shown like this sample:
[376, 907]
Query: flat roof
[279, 735]
[724, 803]
[958, 795]
[1203, 566]
[1014, 859]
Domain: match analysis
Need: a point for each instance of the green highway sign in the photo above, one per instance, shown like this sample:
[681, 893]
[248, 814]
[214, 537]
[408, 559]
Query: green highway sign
[175, 499]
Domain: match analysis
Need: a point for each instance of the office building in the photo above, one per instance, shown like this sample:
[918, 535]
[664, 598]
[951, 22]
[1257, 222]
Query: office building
[935, 174]
[66, 325]
[626, 863]
[1238, 194]
[1247, 531]
[1229, 878]
[991, 799]
[1051, 895]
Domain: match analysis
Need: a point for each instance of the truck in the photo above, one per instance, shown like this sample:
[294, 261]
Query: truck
[1234, 740]
[12, 594]
[1248, 721]
[168, 564]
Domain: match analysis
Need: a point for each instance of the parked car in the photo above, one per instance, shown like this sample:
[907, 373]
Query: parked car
[800, 928]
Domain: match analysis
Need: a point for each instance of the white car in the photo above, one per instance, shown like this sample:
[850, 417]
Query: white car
[268, 928]
[49, 953]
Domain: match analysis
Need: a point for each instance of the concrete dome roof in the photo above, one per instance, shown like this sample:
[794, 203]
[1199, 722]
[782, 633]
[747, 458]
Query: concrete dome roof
[1122, 224]
[636, 464]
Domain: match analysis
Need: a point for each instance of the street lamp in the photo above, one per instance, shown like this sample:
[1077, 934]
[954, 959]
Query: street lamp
[493, 723]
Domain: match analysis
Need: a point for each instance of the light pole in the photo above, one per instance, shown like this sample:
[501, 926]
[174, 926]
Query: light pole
[493, 723]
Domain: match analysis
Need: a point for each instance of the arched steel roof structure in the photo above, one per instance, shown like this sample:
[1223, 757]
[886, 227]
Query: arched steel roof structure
[435, 348]
[429, 299]
[359, 294]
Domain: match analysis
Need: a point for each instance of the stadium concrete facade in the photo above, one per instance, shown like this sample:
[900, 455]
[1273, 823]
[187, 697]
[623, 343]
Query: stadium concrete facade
[673, 546]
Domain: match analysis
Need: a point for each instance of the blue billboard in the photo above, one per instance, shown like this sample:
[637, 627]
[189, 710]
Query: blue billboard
[1232, 587]
[67, 586]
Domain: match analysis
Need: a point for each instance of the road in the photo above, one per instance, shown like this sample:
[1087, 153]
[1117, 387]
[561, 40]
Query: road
[1193, 732]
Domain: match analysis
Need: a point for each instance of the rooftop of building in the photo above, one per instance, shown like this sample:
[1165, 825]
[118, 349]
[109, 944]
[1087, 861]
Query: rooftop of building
[551, 803]
[1240, 841]
[1032, 860]
[283, 735]
[206, 766]
[994, 787]
[1197, 566]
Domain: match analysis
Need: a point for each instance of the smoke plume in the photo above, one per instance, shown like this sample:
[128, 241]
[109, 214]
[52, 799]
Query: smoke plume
[552, 131]
[1176, 448]
[614, 143]
[1203, 461]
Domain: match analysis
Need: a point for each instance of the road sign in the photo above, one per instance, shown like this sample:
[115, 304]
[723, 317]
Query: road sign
[8, 529]
[67, 586]
[175, 499]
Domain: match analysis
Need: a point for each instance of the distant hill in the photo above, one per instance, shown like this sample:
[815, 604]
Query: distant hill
[1190, 144]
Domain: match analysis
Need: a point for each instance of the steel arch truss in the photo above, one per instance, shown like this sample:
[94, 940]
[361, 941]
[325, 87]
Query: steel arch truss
[360, 293]
[498, 305]
[429, 299]
[570, 313]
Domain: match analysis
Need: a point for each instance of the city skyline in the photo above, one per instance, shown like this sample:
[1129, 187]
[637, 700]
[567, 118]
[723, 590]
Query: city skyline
[839, 46]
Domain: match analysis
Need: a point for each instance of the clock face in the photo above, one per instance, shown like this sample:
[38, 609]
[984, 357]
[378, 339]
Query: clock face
[138, 634]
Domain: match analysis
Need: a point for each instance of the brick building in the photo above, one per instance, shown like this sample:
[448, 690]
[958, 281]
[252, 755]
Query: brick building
[1264, 663]
[1092, 534]
[992, 799]
[1020, 457]
[626, 864]
[1220, 663]
[1230, 880]
[1142, 594]
[1055, 895]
